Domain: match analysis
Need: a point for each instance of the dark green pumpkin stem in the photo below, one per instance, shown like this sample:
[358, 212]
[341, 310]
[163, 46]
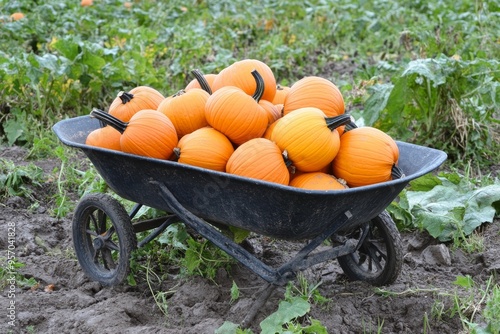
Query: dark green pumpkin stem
[396, 172]
[202, 81]
[336, 121]
[179, 93]
[288, 162]
[259, 90]
[125, 97]
[177, 152]
[350, 126]
[109, 119]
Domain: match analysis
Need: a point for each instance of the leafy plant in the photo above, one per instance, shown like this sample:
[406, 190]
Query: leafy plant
[442, 102]
[15, 180]
[448, 206]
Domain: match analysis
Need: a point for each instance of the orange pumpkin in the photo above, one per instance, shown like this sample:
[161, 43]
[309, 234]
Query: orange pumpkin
[281, 92]
[273, 111]
[148, 133]
[206, 148]
[367, 156]
[315, 92]
[259, 158]
[125, 105]
[186, 110]
[202, 81]
[316, 181]
[105, 137]
[236, 114]
[86, 3]
[239, 75]
[310, 138]
[16, 16]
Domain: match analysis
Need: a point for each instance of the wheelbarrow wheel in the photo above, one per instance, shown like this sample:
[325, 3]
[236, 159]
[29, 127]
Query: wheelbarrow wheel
[379, 259]
[103, 238]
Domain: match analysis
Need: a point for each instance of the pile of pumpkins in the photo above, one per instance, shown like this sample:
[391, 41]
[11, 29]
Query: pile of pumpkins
[242, 122]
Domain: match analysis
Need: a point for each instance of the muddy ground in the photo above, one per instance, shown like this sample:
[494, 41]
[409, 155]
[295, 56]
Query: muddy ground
[65, 301]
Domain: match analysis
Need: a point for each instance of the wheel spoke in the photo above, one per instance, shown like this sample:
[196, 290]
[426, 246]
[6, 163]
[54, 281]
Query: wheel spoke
[373, 257]
[92, 233]
[111, 245]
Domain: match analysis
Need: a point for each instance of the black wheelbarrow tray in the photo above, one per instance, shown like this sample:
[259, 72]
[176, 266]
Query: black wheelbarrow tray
[363, 237]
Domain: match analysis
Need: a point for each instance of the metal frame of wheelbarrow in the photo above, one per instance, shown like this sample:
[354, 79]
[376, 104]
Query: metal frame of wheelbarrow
[273, 276]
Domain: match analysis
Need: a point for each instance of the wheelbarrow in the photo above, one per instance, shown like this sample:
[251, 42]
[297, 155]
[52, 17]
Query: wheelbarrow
[362, 235]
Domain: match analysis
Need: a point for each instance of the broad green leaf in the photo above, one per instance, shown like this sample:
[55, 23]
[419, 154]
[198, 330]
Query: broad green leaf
[13, 130]
[376, 102]
[464, 281]
[315, 328]
[227, 328]
[239, 234]
[425, 182]
[287, 311]
[67, 48]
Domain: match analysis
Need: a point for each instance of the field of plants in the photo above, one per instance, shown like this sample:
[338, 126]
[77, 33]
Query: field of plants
[424, 72]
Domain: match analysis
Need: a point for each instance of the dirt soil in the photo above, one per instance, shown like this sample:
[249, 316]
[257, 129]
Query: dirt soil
[66, 301]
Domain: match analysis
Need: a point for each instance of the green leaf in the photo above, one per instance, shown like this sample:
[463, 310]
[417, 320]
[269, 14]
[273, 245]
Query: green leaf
[464, 281]
[376, 102]
[239, 234]
[235, 292]
[315, 328]
[287, 311]
[67, 48]
[227, 328]
[13, 130]
[425, 182]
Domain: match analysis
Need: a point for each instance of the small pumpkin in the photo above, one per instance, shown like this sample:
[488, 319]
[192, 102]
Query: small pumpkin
[16, 16]
[186, 110]
[273, 111]
[236, 114]
[105, 137]
[201, 81]
[281, 92]
[309, 137]
[367, 156]
[126, 104]
[260, 158]
[206, 148]
[316, 181]
[239, 75]
[86, 3]
[148, 133]
[315, 92]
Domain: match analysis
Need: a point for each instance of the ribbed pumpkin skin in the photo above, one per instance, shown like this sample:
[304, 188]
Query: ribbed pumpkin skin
[186, 110]
[195, 84]
[235, 114]
[239, 75]
[273, 112]
[281, 93]
[206, 148]
[144, 97]
[366, 156]
[149, 133]
[105, 137]
[316, 181]
[304, 134]
[315, 92]
[259, 158]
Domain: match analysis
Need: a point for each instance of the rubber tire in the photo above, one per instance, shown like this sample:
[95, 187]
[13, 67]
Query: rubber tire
[383, 238]
[105, 209]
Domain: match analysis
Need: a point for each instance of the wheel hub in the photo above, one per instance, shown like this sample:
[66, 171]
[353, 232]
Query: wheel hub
[98, 243]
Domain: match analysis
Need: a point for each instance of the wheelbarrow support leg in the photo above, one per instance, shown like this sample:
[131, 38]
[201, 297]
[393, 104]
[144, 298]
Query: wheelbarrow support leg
[261, 298]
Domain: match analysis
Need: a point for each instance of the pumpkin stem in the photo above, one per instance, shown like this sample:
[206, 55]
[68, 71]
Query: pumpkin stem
[350, 126]
[336, 121]
[259, 90]
[396, 172]
[177, 152]
[202, 81]
[125, 97]
[109, 119]
[179, 93]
